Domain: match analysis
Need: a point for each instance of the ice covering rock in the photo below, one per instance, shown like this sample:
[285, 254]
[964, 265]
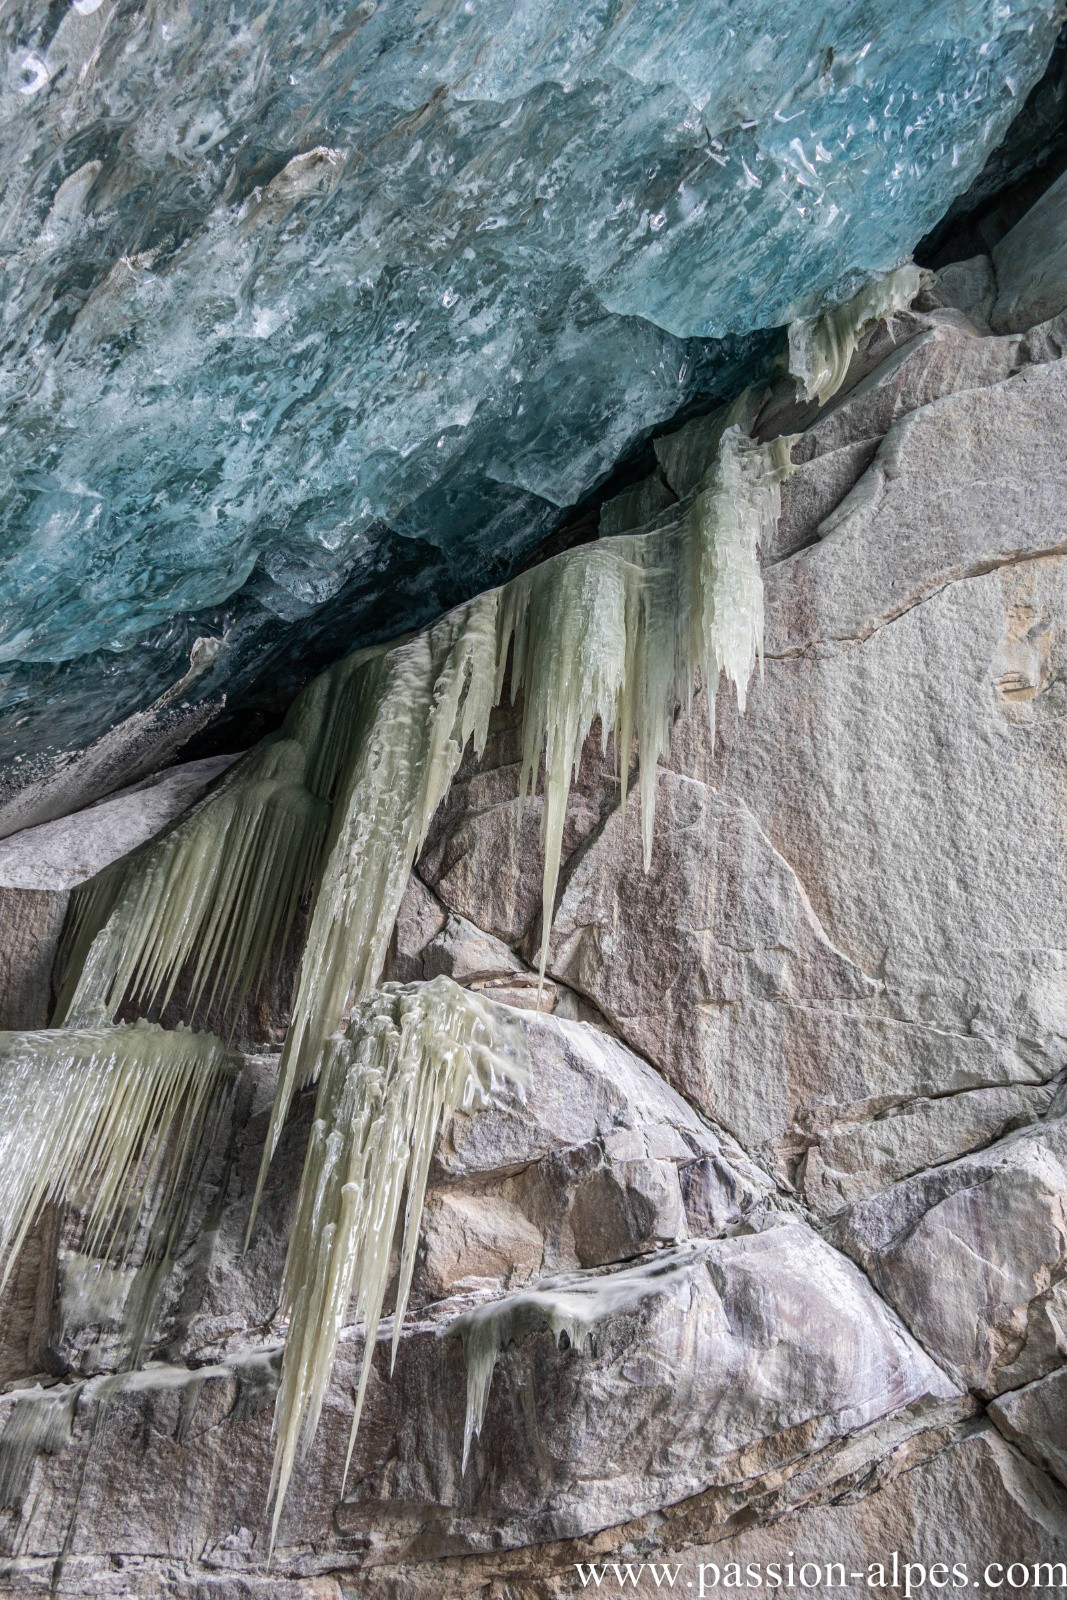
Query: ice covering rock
[314, 319]
[820, 348]
[341, 799]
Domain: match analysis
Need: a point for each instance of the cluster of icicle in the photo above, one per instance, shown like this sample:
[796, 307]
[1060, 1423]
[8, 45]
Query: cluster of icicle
[108, 1119]
[821, 348]
[341, 800]
[336, 806]
[411, 1056]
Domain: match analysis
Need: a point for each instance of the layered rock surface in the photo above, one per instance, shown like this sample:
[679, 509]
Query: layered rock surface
[794, 1113]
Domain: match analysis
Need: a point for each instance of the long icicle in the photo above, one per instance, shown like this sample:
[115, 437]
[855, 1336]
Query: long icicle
[412, 1055]
[617, 631]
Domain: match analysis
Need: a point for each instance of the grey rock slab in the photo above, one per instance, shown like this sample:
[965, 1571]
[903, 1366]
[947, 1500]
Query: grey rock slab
[1035, 1418]
[913, 784]
[594, 1160]
[60, 854]
[964, 484]
[973, 1255]
[815, 489]
[941, 354]
[715, 966]
[421, 916]
[600, 1157]
[1031, 264]
[848, 1161]
[583, 1086]
[971, 1504]
[971, 287]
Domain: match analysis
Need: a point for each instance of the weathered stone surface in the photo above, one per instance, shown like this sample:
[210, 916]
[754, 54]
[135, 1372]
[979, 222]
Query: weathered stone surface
[31, 923]
[848, 1160]
[57, 855]
[974, 1503]
[1035, 1418]
[816, 488]
[973, 1254]
[734, 1357]
[1031, 264]
[963, 484]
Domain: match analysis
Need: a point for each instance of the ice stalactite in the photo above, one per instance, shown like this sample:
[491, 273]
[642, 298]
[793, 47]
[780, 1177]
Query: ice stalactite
[820, 348]
[339, 801]
[336, 806]
[411, 1056]
[570, 1304]
[109, 1119]
[415, 709]
[616, 632]
[212, 900]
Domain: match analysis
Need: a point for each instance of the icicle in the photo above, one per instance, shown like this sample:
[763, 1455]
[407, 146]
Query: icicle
[342, 797]
[571, 1304]
[412, 1055]
[616, 631]
[419, 707]
[820, 348]
[106, 1118]
[214, 898]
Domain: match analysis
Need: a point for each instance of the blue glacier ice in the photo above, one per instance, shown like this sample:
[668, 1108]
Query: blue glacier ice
[318, 316]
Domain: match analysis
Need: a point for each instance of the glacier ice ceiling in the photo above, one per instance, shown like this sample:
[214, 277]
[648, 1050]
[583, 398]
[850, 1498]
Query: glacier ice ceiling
[319, 317]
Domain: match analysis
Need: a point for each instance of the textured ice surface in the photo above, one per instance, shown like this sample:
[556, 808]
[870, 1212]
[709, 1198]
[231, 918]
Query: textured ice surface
[412, 1054]
[324, 311]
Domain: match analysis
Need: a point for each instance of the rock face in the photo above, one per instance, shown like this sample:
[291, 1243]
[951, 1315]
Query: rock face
[770, 1252]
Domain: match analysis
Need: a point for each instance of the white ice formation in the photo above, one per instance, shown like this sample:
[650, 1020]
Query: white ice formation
[411, 1056]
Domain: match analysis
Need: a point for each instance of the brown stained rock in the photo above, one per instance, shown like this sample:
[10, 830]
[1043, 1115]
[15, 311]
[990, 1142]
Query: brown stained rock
[31, 924]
